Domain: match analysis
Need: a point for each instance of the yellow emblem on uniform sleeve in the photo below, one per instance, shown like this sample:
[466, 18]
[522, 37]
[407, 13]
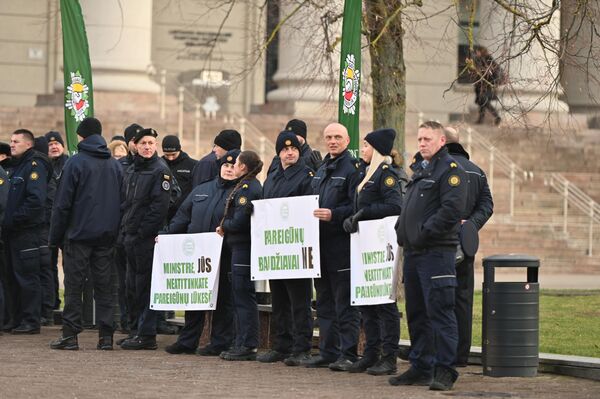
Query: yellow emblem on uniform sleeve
[389, 181]
[453, 165]
[34, 176]
[242, 201]
[454, 180]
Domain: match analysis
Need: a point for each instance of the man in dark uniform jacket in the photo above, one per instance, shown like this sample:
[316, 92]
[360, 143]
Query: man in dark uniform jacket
[58, 158]
[22, 221]
[312, 158]
[335, 182]
[85, 222]
[478, 210]
[292, 314]
[4, 189]
[181, 166]
[428, 230]
[207, 168]
[147, 187]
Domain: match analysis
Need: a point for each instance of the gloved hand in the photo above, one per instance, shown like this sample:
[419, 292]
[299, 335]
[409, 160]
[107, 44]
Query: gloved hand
[460, 255]
[316, 159]
[351, 223]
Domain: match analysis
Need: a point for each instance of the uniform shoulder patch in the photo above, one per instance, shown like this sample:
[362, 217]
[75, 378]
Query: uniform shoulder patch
[242, 200]
[454, 180]
[166, 185]
[34, 176]
[453, 165]
[389, 181]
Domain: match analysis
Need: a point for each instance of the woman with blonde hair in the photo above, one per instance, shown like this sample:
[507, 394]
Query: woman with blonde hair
[118, 149]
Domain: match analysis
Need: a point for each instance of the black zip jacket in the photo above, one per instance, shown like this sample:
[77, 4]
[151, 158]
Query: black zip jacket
[294, 181]
[237, 220]
[381, 196]
[434, 201]
[479, 206]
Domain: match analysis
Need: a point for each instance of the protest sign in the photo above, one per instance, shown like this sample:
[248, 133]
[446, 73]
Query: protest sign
[373, 253]
[285, 239]
[185, 272]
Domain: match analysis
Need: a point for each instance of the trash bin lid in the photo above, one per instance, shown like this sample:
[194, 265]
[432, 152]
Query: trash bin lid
[511, 260]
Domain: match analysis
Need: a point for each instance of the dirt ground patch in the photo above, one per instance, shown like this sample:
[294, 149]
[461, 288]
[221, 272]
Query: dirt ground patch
[29, 369]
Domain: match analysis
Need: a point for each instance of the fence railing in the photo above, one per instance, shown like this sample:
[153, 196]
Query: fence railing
[574, 197]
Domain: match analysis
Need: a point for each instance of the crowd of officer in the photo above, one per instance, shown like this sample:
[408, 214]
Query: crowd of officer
[106, 214]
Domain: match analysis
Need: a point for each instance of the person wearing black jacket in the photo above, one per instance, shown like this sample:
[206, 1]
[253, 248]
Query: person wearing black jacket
[147, 187]
[428, 230]
[379, 195]
[85, 223]
[46, 275]
[235, 227]
[181, 166]
[478, 210]
[58, 158]
[335, 182]
[207, 168]
[4, 190]
[312, 158]
[292, 314]
[23, 218]
[202, 212]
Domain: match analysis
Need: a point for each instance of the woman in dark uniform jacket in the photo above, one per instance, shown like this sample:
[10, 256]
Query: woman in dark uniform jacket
[379, 195]
[202, 212]
[236, 229]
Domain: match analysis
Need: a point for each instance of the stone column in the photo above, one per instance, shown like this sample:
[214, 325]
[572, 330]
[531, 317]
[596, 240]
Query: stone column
[580, 77]
[307, 83]
[532, 75]
[120, 37]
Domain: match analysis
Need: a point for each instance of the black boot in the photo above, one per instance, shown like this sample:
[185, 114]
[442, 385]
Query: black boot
[386, 366]
[65, 343]
[105, 343]
[443, 378]
[411, 377]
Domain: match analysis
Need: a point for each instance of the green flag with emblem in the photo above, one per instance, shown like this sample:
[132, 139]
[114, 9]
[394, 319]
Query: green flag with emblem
[349, 88]
[79, 101]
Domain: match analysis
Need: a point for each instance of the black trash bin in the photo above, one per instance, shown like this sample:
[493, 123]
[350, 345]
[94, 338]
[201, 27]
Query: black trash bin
[510, 329]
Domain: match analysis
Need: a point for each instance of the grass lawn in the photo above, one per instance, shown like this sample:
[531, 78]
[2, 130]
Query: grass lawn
[569, 322]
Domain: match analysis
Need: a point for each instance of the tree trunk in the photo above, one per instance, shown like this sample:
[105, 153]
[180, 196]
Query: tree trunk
[388, 73]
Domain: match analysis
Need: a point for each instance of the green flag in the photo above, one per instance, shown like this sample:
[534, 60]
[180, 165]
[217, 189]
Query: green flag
[79, 101]
[349, 104]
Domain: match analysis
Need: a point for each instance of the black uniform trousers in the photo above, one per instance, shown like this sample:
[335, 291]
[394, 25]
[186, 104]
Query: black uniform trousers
[382, 329]
[23, 256]
[81, 260]
[46, 277]
[4, 293]
[292, 315]
[244, 298]
[121, 266]
[139, 256]
[429, 283]
[464, 308]
[222, 331]
[339, 322]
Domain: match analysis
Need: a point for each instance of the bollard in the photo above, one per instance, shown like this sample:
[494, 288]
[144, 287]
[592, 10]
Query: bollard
[510, 328]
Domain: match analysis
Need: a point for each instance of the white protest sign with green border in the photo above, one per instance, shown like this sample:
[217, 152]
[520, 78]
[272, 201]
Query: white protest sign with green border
[185, 272]
[285, 239]
[373, 253]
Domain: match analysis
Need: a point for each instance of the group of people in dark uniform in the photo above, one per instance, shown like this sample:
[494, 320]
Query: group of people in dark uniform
[107, 215]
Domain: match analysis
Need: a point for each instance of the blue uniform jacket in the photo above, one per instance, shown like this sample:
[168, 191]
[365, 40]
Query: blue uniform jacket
[381, 196]
[147, 187]
[335, 182]
[433, 204]
[88, 200]
[291, 182]
[27, 197]
[202, 210]
[237, 220]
